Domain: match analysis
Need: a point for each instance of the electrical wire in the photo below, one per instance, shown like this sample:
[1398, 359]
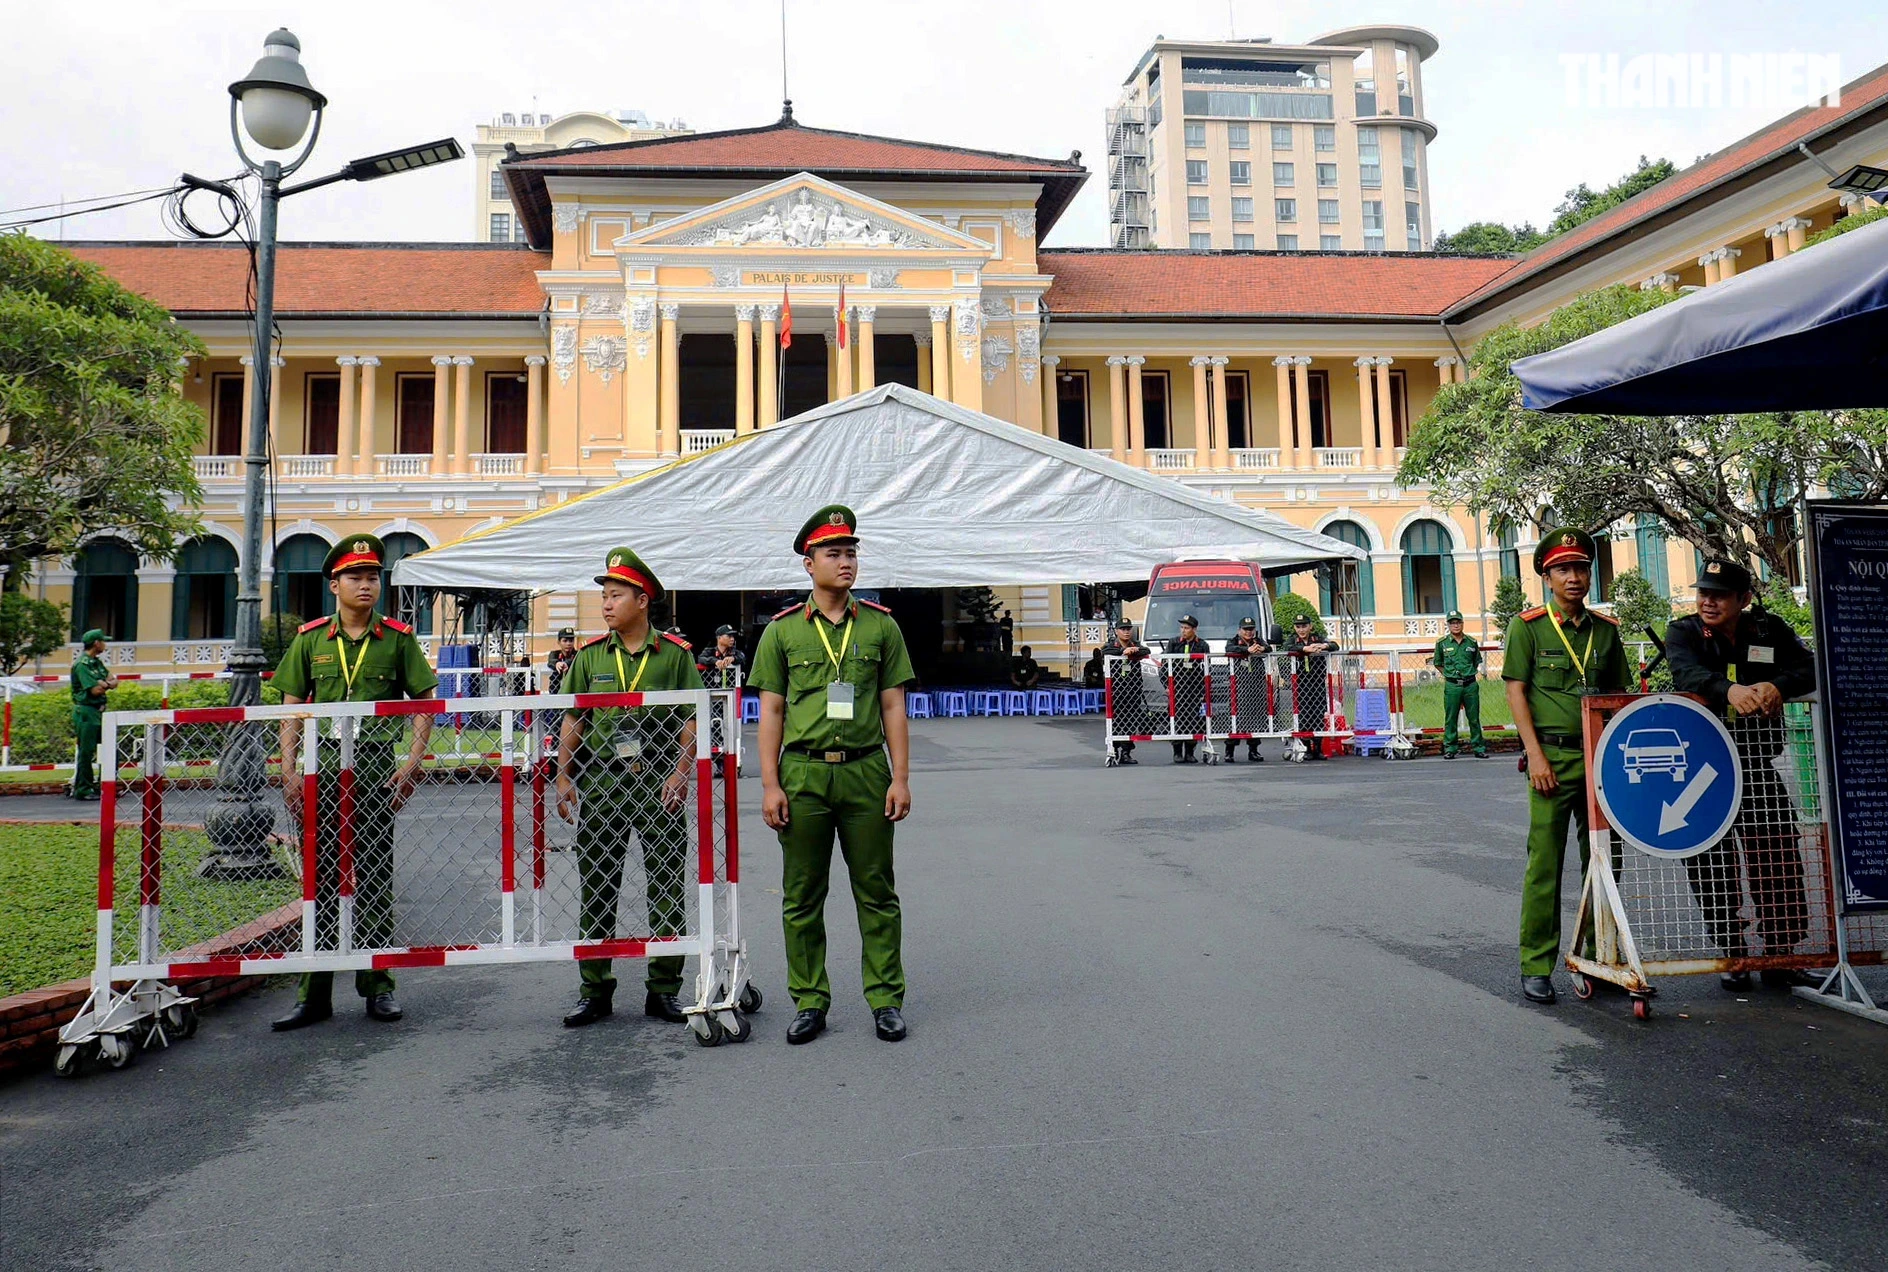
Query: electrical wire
[20, 223]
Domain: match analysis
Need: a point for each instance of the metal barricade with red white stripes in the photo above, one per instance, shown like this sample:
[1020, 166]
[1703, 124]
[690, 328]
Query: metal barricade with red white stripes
[377, 849]
[166, 680]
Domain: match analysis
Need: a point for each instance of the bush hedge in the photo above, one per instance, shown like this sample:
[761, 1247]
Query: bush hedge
[42, 722]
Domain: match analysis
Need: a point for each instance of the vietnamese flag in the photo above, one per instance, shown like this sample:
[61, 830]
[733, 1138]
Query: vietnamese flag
[842, 313]
[786, 319]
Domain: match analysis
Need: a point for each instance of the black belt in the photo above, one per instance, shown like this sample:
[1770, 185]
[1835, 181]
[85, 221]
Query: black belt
[837, 756]
[1460, 680]
[1572, 741]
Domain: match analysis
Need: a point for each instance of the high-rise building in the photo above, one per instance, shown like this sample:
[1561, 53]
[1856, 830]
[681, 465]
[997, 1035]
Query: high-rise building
[529, 132]
[1283, 147]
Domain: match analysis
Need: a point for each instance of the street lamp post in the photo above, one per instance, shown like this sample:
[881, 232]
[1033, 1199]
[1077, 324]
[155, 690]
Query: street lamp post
[275, 104]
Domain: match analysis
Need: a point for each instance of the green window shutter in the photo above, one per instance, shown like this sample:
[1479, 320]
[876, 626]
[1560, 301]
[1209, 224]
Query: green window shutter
[1448, 582]
[1071, 603]
[180, 607]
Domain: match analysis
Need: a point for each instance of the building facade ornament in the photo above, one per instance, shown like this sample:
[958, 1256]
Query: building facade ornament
[602, 304]
[996, 357]
[1051, 361]
[868, 313]
[565, 216]
[563, 351]
[726, 275]
[1137, 360]
[670, 311]
[463, 360]
[1117, 360]
[369, 360]
[1658, 281]
[805, 220]
[442, 360]
[967, 317]
[882, 277]
[940, 313]
[997, 309]
[1201, 360]
[1282, 360]
[770, 313]
[534, 360]
[606, 356]
[1023, 221]
[744, 313]
[347, 360]
[1218, 361]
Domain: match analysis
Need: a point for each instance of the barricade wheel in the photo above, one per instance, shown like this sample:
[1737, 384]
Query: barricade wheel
[738, 1027]
[1109, 762]
[751, 998]
[1582, 986]
[180, 1019]
[707, 1031]
[69, 1060]
[117, 1050]
[1641, 1008]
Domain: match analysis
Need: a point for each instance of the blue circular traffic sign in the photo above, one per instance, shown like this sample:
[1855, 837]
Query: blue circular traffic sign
[1667, 776]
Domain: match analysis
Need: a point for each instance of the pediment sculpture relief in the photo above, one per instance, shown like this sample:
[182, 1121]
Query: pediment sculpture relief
[805, 220]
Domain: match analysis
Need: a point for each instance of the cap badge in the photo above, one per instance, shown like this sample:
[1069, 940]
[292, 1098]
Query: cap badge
[360, 545]
[836, 519]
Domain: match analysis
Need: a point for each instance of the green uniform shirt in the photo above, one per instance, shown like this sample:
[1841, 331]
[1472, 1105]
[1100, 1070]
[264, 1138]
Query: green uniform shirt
[88, 671]
[795, 663]
[1458, 658]
[324, 664]
[1536, 657]
[607, 665]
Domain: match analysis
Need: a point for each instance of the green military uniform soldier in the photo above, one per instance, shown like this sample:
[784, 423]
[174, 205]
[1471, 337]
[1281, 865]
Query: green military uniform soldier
[1555, 654]
[631, 780]
[835, 761]
[1459, 659]
[355, 656]
[91, 681]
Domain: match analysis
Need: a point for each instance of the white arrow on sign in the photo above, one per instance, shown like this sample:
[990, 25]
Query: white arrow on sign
[1673, 815]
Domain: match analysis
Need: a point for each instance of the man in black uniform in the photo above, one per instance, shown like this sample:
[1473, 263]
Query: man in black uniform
[1189, 687]
[1247, 650]
[722, 663]
[1310, 685]
[1745, 663]
[558, 667]
[1025, 672]
[1128, 697]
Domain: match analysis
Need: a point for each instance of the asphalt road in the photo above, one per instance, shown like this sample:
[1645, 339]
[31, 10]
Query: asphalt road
[1160, 1017]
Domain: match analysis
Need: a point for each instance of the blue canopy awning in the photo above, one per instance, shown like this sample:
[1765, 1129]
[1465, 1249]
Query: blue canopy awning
[1807, 333]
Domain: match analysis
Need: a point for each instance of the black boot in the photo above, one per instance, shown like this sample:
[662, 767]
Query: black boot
[663, 1007]
[588, 1011]
[305, 1014]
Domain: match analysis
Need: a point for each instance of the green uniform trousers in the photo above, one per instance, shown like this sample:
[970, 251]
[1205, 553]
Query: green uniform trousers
[89, 725]
[1548, 818]
[374, 767]
[846, 800]
[619, 805]
[1459, 698]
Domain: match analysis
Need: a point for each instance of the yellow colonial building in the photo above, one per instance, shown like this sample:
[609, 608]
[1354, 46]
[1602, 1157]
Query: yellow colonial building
[673, 293]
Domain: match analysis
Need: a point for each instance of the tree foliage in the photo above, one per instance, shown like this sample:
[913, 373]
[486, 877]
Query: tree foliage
[1583, 203]
[28, 630]
[1716, 481]
[1854, 221]
[1509, 600]
[1491, 238]
[93, 436]
[1288, 606]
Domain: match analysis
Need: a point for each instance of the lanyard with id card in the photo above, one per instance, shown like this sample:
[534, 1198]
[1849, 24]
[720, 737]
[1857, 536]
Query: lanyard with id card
[626, 741]
[840, 693]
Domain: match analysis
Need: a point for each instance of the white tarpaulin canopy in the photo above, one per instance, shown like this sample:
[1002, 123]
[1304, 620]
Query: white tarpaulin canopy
[946, 497]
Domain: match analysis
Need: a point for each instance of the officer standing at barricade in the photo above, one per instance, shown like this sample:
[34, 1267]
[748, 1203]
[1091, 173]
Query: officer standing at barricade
[1128, 692]
[91, 681]
[1746, 663]
[1189, 687]
[721, 666]
[631, 778]
[835, 755]
[1311, 689]
[556, 669]
[1459, 659]
[1247, 652]
[1556, 654]
[355, 656]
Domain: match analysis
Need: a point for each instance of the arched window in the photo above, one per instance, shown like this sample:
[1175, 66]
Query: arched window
[203, 595]
[105, 590]
[1507, 537]
[411, 605]
[298, 589]
[1428, 568]
[1355, 535]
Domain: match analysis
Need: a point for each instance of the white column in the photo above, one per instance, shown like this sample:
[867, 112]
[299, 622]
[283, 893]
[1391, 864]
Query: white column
[769, 365]
[868, 355]
[1137, 412]
[1727, 262]
[845, 352]
[1051, 407]
[1386, 409]
[442, 404]
[1118, 407]
[1662, 281]
[369, 445]
[1202, 412]
[1367, 409]
[275, 407]
[924, 363]
[743, 369]
[462, 414]
[534, 413]
[669, 401]
[1287, 437]
[1301, 388]
[344, 432]
[940, 351]
[1709, 261]
[1222, 430]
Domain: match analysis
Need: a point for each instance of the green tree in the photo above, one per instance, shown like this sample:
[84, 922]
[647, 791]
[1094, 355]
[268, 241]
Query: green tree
[93, 435]
[1854, 221]
[278, 630]
[1583, 203]
[1491, 238]
[28, 630]
[1640, 608]
[1288, 606]
[1781, 601]
[1509, 601]
[1715, 481]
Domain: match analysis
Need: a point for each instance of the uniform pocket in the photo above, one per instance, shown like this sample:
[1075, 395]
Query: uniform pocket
[807, 675]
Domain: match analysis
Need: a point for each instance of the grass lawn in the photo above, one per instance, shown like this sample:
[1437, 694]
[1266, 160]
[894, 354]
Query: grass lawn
[1422, 704]
[49, 900]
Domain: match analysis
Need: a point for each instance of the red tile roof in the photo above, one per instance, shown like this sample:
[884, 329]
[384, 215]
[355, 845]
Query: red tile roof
[1169, 285]
[1774, 141]
[315, 279]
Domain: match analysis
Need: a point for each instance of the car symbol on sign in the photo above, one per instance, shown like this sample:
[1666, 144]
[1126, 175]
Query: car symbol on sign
[1654, 751]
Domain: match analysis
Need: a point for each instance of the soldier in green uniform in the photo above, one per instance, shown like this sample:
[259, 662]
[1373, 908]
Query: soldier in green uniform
[1459, 659]
[355, 656]
[631, 779]
[1556, 654]
[91, 681]
[835, 760]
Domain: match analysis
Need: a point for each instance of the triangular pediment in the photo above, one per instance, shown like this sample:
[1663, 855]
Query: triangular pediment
[804, 213]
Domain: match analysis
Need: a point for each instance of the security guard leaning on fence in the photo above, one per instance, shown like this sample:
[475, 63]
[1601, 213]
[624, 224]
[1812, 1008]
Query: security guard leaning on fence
[1247, 650]
[1745, 663]
[1556, 654]
[1459, 659]
[1189, 687]
[355, 656]
[91, 681]
[834, 760]
[1128, 692]
[631, 779]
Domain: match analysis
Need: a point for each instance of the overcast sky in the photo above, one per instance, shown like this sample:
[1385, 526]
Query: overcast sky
[110, 96]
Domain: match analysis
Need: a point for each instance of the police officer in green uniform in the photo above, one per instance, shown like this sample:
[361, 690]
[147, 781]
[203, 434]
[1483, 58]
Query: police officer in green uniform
[1459, 659]
[1556, 654]
[355, 656]
[631, 779]
[835, 761]
[91, 681]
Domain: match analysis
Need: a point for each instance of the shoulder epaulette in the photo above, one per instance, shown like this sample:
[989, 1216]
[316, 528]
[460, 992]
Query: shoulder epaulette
[671, 636]
[1529, 615]
[783, 613]
[397, 626]
[594, 640]
[1604, 618]
[883, 609]
[311, 625]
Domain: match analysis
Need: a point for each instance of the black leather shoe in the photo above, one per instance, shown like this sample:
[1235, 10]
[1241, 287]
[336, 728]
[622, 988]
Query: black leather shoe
[1734, 982]
[1129, 758]
[1255, 757]
[1538, 989]
[890, 1025]
[1784, 979]
[1450, 755]
[663, 1007]
[305, 1014]
[381, 1007]
[806, 1026]
[588, 1011]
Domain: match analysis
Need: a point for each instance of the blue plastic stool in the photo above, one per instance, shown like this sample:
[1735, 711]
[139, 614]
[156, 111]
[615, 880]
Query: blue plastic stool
[954, 703]
[986, 702]
[1373, 714]
[750, 710]
[1068, 702]
[918, 706]
[1092, 703]
[1042, 702]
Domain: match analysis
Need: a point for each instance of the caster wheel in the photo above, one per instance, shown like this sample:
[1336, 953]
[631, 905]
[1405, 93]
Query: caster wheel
[180, 1020]
[738, 1028]
[1582, 987]
[118, 1050]
[1642, 1009]
[1110, 762]
[69, 1060]
[714, 1036]
[751, 998]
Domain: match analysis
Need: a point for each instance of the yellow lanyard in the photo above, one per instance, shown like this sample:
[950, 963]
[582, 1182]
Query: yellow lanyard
[846, 636]
[1578, 661]
[642, 664]
[348, 673]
